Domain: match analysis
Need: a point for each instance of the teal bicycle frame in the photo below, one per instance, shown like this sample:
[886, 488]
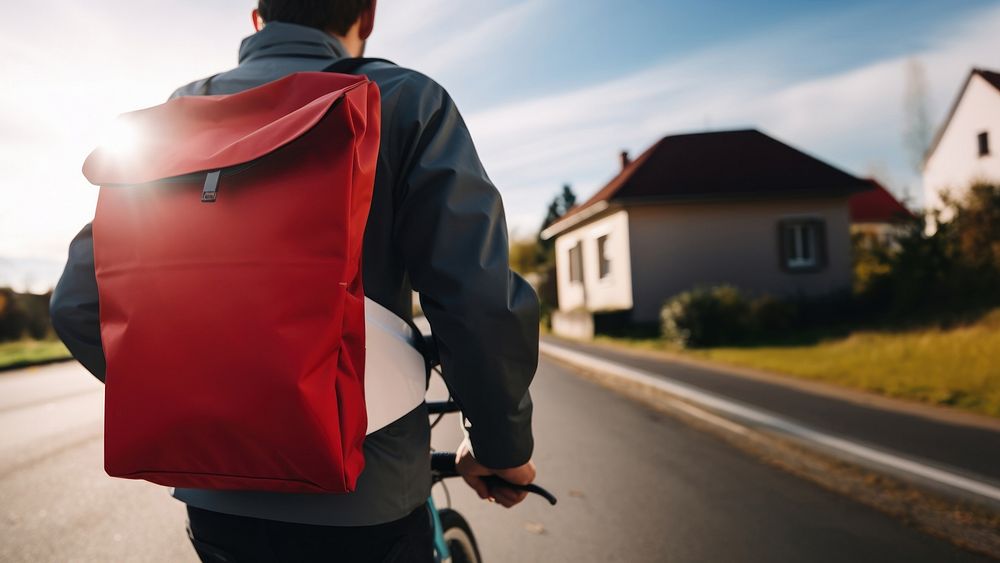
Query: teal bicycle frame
[441, 552]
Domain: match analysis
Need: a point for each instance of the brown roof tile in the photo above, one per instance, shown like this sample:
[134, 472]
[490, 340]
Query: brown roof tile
[720, 164]
[990, 76]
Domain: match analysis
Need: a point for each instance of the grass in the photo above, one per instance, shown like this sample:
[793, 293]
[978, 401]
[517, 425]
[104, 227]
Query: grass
[957, 366]
[27, 352]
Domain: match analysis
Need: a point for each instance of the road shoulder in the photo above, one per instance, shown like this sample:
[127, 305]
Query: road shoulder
[965, 520]
[856, 396]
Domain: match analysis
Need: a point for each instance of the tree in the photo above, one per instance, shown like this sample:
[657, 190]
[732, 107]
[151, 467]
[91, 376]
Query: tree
[524, 256]
[559, 206]
[537, 256]
[916, 125]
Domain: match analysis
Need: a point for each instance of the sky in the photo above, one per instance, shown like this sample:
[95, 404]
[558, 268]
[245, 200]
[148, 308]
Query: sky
[552, 90]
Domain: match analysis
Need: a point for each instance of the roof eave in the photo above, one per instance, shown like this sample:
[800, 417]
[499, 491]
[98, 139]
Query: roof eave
[577, 218]
[743, 197]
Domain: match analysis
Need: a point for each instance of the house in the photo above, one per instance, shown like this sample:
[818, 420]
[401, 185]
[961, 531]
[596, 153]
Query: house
[877, 215]
[734, 207]
[966, 148]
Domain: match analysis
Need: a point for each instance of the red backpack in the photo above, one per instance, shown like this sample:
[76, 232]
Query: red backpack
[227, 247]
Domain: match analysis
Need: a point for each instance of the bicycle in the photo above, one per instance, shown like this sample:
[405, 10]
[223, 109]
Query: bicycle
[454, 541]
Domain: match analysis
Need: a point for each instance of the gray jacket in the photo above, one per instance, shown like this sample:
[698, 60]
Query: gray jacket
[436, 226]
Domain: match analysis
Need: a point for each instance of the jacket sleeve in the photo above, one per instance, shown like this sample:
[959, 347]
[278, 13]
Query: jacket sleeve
[451, 229]
[74, 308]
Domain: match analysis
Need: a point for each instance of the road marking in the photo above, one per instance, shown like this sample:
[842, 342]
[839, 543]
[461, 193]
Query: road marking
[709, 404]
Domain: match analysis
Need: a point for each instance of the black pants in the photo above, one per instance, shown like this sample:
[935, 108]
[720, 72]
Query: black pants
[226, 538]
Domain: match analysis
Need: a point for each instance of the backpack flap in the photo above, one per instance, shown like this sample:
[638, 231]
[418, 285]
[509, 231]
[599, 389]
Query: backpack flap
[194, 134]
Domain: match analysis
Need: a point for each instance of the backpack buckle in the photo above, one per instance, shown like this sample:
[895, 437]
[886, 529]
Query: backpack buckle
[210, 191]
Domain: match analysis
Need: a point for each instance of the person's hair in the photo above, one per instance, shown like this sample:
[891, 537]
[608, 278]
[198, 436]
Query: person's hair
[335, 16]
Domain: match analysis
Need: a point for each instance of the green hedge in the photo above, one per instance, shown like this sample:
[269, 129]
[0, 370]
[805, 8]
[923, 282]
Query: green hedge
[954, 269]
[723, 315]
[24, 315]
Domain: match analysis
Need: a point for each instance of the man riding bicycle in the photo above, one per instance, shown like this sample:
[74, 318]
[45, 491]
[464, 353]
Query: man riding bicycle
[436, 226]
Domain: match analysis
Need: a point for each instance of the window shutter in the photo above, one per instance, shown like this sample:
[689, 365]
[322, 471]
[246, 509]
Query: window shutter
[603, 262]
[784, 235]
[821, 251]
[576, 262]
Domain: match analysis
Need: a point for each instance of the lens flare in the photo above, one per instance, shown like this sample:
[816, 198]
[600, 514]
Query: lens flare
[120, 137]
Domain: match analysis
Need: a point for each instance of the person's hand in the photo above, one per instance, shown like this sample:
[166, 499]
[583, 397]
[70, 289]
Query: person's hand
[473, 472]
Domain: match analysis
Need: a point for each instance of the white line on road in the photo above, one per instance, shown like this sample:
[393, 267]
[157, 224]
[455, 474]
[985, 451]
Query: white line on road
[758, 417]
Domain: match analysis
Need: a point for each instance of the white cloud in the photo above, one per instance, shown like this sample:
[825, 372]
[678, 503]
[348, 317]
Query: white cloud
[460, 46]
[851, 118]
[402, 23]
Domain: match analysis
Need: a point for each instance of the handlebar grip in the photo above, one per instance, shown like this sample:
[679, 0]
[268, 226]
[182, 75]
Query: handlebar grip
[444, 464]
[492, 481]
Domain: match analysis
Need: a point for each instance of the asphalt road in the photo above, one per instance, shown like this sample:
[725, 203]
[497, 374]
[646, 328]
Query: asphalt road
[634, 485]
[958, 447]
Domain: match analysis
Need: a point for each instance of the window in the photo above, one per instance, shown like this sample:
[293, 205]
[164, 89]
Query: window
[602, 256]
[803, 244]
[576, 263]
[984, 143]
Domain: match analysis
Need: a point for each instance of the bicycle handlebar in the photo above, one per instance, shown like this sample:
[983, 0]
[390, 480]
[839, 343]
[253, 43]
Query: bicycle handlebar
[443, 465]
[428, 348]
[441, 407]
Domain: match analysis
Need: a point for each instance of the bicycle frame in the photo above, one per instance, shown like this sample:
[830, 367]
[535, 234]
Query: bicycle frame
[441, 552]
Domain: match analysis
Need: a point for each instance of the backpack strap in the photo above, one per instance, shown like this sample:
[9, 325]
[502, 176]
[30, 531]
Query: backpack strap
[425, 345]
[350, 65]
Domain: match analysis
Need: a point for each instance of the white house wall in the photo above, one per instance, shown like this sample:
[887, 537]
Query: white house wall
[676, 247]
[955, 163]
[614, 291]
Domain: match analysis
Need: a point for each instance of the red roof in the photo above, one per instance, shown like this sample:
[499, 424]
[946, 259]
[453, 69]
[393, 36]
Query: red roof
[719, 165]
[877, 205]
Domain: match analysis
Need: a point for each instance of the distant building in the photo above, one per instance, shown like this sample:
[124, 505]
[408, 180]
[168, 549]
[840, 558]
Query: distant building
[966, 148]
[733, 207]
[877, 214]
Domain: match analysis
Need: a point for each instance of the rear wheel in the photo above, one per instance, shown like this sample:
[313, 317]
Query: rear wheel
[458, 536]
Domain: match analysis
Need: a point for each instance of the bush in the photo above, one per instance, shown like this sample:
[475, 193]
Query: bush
[711, 316]
[770, 316]
[975, 232]
[24, 315]
[954, 269]
[871, 257]
[725, 316]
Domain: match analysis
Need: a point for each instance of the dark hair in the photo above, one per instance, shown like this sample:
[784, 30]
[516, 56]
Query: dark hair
[335, 16]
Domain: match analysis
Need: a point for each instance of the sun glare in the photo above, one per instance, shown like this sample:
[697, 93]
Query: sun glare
[120, 137]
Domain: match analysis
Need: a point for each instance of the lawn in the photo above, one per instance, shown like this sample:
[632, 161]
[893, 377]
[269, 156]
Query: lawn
[27, 352]
[958, 367]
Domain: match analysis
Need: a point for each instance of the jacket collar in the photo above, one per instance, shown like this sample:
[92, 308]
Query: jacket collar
[280, 39]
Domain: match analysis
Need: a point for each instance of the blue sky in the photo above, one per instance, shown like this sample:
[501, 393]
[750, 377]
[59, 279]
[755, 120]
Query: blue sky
[551, 89]
[566, 44]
